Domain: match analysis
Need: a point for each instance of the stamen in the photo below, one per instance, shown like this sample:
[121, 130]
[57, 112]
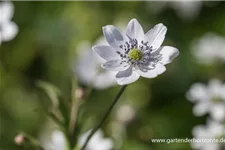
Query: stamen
[138, 54]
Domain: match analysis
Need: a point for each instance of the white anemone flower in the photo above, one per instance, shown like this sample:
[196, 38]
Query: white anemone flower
[88, 69]
[133, 53]
[209, 48]
[212, 131]
[209, 99]
[8, 29]
[58, 141]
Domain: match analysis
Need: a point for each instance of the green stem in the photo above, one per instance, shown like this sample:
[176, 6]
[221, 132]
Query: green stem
[33, 141]
[105, 116]
[74, 107]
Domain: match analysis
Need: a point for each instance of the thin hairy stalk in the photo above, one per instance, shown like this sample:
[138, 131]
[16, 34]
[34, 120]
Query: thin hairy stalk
[104, 117]
[74, 107]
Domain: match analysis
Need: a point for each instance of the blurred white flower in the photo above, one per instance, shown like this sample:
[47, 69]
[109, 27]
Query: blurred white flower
[97, 142]
[134, 54]
[125, 113]
[58, 141]
[88, 69]
[209, 99]
[213, 130]
[186, 10]
[8, 29]
[209, 48]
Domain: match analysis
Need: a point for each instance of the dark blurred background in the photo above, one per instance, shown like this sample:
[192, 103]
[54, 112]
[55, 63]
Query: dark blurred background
[46, 46]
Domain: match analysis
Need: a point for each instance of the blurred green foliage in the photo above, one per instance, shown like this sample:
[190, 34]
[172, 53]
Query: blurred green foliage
[45, 48]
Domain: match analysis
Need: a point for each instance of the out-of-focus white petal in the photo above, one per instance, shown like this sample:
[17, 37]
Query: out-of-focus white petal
[6, 11]
[106, 52]
[215, 128]
[87, 66]
[187, 9]
[8, 31]
[209, 48]
[59, 140]
[104, 80]
[168, 54]
[217, 111]
[212, 130]
[88, 69]
[127, 76]
[114, 36]
[199, 131]
[125, 113]
[134, 30]
[152, 73]
[115, 65]
[222, 92]
[97, 142]
[55, 142]
[156, 35]
[201, 108]
[215, 87]
[198, 92]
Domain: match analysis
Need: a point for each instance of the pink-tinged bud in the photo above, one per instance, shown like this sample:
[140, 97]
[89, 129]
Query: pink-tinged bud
[20, 139]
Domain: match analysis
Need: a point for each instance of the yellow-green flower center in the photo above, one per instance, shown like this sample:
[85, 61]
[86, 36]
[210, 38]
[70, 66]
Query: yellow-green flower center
[136, 54]
[217, 99]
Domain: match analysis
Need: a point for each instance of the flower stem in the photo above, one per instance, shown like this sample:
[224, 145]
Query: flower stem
[74, 107]
[104, 117]
[33, 141]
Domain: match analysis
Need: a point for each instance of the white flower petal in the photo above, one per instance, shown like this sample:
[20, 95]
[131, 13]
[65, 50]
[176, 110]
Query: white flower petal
[6, 11]
[106, 144]
[86, 68]
[8, 31]
[115, 65]
[114, 36]
[217, 112]
[160, 68]
[105, 79]
[134, 30]
[156, 35]
[215, 87]
[201, 108]
[199, 131]
[222, 91]
[198, 92]
[127, 76]
[106, 52]
[152, 73]
[97, 142]
[57, 141]
[168, 54]
[187, 10]
[211, 146]
[0, 39]
[215, 128]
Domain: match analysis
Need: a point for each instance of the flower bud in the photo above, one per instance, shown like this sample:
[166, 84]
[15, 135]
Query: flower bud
[20, 139]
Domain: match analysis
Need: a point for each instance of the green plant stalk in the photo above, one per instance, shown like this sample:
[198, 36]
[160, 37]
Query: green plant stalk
[104, 117]
[33, 141]
[74, 107]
